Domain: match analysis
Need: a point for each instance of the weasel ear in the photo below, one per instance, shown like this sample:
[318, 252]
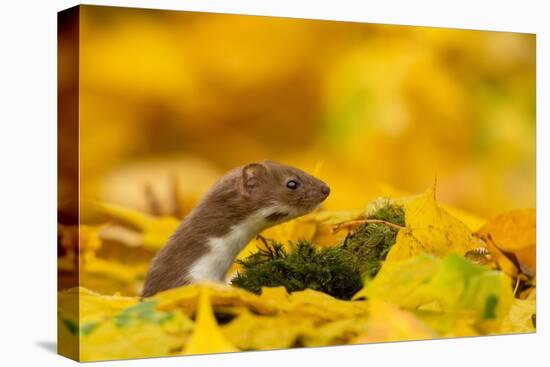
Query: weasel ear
[251, 177]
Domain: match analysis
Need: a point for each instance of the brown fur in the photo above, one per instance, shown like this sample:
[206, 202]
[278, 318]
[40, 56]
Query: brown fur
[232, 198]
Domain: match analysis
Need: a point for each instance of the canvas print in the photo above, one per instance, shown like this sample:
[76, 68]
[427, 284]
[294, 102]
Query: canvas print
[232, 183]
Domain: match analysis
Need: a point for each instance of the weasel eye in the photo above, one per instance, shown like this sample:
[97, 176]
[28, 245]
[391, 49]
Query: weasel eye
[293, 185]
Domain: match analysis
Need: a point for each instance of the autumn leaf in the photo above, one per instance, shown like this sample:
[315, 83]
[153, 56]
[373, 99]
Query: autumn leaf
[499, 259]
[448, 325]
[400, 282]
[155, 230]
[337, 332]
[113, 327]
[427, 291]
[452, 285]
[91, 305]
[320, 306]
[389, 323]
[528, 293]
[472, 220]
[249, 331]
[514, 234]
[521, 318]
[220, 295]
[154, 135]
[430, 229]
[207, 336]
[135, 333]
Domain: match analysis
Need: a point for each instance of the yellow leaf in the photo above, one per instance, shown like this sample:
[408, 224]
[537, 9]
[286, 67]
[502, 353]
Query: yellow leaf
[207, 336]
[185, 297]
[336, 332]
[473, 221]
[322, 307]
[115, 327]
[276, 297]
[500, 259]
[307, 303]
[220, 295]
[141, 340]
[520, 319]
[448, 325]
[515, 232]
[431, 229]
[401, 282]
[388, 323]
[155, 230]
[529, 293]
[249, 331]
[453, 285]
[91, 305]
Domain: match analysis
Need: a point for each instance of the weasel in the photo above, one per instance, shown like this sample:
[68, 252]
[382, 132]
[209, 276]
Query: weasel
[240, 205]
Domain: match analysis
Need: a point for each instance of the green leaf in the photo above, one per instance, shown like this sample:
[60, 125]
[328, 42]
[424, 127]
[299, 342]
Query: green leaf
[453, 284]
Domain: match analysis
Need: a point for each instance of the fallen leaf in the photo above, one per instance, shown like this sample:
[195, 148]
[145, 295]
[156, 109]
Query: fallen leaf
[431, 229]
[91, 305]
[336, 332]
[529, 293]
[220, 295]
[515, 233]
[322, 307]
[389, 323]
[155, 231]
[252, 332]
[520, 319]
[207, 336]
[115, 327]
[500, 260]
[452, 285]
[448, 325]
[474, 222]
[141, 339]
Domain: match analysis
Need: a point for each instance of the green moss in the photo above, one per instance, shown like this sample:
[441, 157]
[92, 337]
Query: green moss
[330, 270]
[337, 271]
[384, 209]
[372, 241]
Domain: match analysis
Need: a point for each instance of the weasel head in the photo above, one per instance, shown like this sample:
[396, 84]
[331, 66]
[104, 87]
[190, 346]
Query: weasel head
[284, 192]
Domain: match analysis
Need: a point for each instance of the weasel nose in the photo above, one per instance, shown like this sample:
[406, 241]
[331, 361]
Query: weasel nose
[325, 190]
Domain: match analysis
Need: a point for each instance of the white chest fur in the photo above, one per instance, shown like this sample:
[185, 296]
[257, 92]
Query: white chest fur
[222, 250]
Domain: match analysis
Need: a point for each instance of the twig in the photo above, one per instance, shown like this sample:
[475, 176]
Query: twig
[355, 223]
[517, 286]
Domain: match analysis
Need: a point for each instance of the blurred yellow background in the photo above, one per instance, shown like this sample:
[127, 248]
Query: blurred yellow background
[171, 100]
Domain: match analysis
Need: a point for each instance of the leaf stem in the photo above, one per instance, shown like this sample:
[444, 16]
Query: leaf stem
[355, 223]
